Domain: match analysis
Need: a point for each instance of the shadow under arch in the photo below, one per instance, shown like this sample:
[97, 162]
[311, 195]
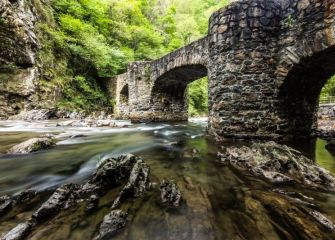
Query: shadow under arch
[300, 92]
[169, 93]
[124, 94]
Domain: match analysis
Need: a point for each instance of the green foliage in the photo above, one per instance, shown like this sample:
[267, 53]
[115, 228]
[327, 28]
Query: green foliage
[198, 98]
[86, 40]
[83, 94]
[329, 88]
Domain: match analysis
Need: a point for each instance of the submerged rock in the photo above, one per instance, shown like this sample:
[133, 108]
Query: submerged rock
[278, 163]
[19, 232]
[54, 204]
[21, 200]
[5, 204]
[32, 145]
[170, 193]
[111, 225]
[298, 220]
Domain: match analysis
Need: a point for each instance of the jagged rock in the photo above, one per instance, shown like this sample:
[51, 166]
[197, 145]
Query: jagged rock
[32, 145]
[278, 163]
[170, 193]
[137, 184]
[5, 204]
[55, 203]
[93, 202]
[19, 232]
[112, 224]
[24, 197]
[111, 173]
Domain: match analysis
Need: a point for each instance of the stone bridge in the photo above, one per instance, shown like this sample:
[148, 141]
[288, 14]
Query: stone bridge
[156, 91]
[266, 61]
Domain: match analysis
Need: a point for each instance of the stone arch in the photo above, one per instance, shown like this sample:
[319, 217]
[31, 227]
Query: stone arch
[307, 53]
[300, 90]
[124, 95]
[169, 92]
[123, 101]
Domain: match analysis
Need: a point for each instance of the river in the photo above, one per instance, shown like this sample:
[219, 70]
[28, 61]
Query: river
[179, 151]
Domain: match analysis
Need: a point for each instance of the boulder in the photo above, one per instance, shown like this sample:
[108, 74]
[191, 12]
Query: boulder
[170, 193]
[112, 224]
[33, 145]
[278, 164]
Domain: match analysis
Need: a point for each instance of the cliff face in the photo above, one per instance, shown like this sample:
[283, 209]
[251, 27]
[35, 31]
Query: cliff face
[18, 47]
[21, 67]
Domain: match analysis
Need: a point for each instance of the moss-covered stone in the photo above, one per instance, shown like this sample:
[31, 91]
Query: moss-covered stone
[32, 145]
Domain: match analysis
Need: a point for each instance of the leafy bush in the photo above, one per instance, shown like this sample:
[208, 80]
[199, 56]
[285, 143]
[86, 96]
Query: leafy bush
[198, 98]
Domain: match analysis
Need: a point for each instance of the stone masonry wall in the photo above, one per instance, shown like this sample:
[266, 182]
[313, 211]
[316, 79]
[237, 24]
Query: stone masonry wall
[326, 111]
[242, 69]
[268, 63]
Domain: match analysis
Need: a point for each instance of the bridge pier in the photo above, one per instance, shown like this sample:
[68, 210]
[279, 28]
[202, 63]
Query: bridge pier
[266, 60]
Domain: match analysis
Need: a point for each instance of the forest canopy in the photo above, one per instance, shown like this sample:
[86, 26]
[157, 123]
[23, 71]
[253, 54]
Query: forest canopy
[96, 39]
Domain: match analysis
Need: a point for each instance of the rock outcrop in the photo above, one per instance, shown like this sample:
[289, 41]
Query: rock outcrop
[278, 164]
[126, 170]
[18, 46]
[170, 193]
[32, 145]
[112, 224]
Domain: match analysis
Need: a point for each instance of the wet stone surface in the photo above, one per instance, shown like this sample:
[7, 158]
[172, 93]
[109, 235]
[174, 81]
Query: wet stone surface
[279, 164]
[111, 225]
[170, 193]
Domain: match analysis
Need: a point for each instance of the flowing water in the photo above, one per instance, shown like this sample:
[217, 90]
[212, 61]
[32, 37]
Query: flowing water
[217, 198]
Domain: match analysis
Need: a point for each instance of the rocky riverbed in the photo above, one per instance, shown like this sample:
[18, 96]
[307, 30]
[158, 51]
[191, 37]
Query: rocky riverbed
[160, 181]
